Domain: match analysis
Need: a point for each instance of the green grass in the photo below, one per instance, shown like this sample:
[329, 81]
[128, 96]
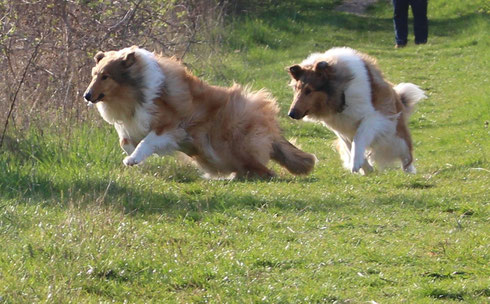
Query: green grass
[77, 226]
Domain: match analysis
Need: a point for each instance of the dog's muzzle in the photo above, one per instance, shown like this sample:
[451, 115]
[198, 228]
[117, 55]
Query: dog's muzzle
[295, 114]
[88, 97]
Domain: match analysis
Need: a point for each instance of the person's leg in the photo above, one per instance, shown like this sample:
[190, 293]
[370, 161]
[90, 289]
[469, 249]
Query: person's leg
[400, 18]
[420, 22]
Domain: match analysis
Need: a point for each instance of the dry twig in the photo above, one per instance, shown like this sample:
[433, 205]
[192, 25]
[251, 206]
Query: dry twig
[14, 98]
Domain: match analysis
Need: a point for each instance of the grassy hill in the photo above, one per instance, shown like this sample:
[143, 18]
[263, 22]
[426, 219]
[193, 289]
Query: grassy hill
[77, 226]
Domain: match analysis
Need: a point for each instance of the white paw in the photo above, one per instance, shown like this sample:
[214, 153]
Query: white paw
[357, 165]
[411, 169]
[366, 168]
[131, 161]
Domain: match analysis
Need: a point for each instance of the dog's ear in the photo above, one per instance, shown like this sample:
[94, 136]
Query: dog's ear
[296, 71]
[98, 57]
[129, 59]
[322, 68]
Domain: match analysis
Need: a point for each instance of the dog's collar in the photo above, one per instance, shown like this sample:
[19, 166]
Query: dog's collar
[342, 105]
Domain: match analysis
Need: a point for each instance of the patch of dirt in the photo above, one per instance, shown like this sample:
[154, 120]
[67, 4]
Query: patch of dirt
[357, 7]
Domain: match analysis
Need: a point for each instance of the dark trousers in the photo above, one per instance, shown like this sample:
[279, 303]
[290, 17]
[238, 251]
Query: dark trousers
[400, 19]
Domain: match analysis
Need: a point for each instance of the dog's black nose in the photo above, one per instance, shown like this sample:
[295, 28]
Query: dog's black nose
[294, 114]
[87, 96]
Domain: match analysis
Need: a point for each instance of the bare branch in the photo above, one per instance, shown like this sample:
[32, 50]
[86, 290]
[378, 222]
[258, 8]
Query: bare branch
[34, 54]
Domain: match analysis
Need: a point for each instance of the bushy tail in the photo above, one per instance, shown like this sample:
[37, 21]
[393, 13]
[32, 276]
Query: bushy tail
[296, 161]
[410, 95]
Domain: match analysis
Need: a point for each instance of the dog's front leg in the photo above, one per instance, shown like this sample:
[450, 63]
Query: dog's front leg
[162, 144]
[367, 130]
[125, 141]
[126, 145]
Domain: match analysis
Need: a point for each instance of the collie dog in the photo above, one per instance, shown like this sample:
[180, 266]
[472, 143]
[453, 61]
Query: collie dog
[346, 91]
[158, 107]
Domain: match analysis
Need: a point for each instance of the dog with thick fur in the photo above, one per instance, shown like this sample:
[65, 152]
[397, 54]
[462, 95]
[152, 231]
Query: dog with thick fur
[157, 107]
[346, 91]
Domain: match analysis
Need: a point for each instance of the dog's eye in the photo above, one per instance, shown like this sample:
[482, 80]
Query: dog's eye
[104, 77]
[307, 91]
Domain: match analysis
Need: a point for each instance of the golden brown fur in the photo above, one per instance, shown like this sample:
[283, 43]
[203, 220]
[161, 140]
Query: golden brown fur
[225, 130]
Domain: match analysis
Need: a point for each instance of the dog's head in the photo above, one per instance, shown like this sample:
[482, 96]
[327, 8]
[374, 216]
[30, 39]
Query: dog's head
[111, 74]
[312, 89]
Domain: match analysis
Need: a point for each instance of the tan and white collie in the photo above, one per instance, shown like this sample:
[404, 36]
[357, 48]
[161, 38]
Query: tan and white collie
[157, 106]
[346, 91]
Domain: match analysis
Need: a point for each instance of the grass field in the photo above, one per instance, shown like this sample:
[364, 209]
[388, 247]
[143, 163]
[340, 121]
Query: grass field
[77, 226]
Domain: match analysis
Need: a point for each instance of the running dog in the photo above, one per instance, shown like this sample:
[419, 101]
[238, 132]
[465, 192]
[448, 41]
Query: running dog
[158, 106]
[346, 91]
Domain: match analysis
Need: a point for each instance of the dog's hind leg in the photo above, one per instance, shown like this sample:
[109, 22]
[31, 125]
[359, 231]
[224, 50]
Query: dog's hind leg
[407, 161]
[253, 168]
[406, 156]
[410, 169]
[250, 165]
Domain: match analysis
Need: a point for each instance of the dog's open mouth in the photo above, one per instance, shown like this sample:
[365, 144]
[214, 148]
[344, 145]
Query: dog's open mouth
[99, 98]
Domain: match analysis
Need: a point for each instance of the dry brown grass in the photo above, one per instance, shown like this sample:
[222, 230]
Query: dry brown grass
[69, 33]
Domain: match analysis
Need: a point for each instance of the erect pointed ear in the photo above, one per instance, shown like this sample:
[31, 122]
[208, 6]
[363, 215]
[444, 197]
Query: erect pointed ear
[321, 66]
[323, 69]
[99, 56]
[296, 71]
[129, 59]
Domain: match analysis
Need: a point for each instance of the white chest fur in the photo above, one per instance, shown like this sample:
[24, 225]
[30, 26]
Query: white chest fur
[343, 124]
[133, 128]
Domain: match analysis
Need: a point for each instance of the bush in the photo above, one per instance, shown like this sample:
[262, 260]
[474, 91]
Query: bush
[67, 34]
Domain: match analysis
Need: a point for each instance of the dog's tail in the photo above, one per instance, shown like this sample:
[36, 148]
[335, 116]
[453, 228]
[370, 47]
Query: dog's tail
[410, 95]
[296, 161]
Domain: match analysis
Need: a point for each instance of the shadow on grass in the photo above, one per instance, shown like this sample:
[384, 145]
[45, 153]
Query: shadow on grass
[34, 188]
[291, 18]
[172, 200]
